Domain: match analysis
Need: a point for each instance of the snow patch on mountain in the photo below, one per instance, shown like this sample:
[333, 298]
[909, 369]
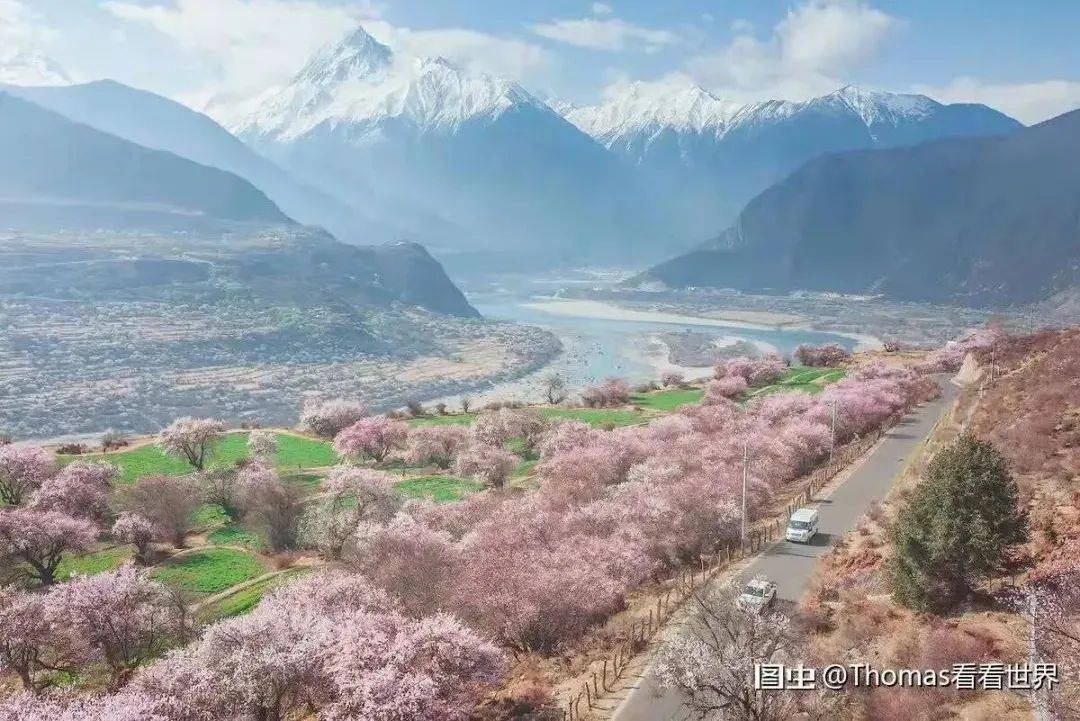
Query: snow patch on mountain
[361, 82]
[647, 109]
[28, 67]
[651, 107]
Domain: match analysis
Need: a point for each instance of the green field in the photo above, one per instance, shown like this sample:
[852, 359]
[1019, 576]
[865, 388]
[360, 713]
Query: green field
[245, 599]
[310, 481]
[800, 378]
[597, 416]
[454, 419]
[105, 559]
[524, 468]
[667, 401]
[233, 534]
[208, 515]
[294, 452]
[438, 488]
[209, 571]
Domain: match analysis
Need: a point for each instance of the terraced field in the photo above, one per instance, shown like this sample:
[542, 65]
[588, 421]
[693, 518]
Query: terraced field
[440, 489]
[104, 559]
[807, 380]
[294, 452]
[667, 401]
[204, 572]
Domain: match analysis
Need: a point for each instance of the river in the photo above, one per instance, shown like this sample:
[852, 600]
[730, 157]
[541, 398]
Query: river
[601, 340]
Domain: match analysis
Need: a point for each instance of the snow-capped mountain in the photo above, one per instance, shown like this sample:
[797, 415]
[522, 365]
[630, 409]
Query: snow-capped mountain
[706, 157]
[481, 160]
[645, 110]
[20, 66]
[361, 82]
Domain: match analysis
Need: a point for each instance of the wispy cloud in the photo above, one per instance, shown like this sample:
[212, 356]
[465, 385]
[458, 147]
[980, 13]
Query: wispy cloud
[607, 33]
[1029, 103]
[811, 50]
[245, 47]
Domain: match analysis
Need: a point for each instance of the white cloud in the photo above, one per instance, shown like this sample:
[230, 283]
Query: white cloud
[244, 46]
[605, 34]
[831, 37]
[22, 27]
[602, 9]
[810, 51]
[1027, 102]
[506, 57]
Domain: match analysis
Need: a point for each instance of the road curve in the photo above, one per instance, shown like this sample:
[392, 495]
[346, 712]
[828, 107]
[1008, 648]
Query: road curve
[790, 565]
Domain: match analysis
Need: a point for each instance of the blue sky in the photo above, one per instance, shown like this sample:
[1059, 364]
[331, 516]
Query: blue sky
[1019, 57]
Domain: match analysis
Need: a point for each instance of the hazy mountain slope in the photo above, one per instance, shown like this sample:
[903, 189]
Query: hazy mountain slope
[502, 169]
[409, 271]
[975, 220]
[157, 122]
[46, 159]
[705, 157]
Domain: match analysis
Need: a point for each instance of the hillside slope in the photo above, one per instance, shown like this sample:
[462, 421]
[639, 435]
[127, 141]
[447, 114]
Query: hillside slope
[977, 221]
[156, 122]
[49, 161]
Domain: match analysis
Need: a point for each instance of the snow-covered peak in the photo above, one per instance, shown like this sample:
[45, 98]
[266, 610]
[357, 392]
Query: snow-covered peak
[650, 107]
[356, 57]
[30, 67]
[361, 82]
[645, 110]
[561, 106]
[880, 107]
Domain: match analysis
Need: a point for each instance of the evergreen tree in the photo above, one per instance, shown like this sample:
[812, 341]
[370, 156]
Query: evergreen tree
[956, 527]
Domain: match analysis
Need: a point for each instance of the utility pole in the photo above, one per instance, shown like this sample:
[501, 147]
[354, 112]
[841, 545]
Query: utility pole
[832, 430]
[745, 471]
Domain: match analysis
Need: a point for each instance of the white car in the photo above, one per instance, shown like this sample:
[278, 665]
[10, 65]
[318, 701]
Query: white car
[757, 595]
[802, 526]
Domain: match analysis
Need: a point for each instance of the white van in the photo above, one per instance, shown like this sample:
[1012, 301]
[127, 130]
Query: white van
[803, 525]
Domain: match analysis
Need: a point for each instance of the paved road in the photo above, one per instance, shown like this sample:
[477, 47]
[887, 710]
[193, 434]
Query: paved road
[790, 565]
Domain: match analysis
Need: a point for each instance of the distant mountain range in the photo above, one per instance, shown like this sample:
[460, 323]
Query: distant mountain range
[704, 157]
[979, 221]
[162, 124]
[376, 147]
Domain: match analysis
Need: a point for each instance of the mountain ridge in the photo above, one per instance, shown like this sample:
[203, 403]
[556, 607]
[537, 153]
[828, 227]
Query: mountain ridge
[982, 221]
[47, 158]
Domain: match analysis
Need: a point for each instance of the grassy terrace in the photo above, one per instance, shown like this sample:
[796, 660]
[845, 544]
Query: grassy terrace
[799, 378]
[438, 488]
[246, 598]
[294, 453]
[106, 558]
[205, 572]
[667, 401]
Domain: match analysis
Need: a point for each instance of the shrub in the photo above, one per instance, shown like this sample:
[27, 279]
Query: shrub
[671, 379]
[830, 354]
[611, 392]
